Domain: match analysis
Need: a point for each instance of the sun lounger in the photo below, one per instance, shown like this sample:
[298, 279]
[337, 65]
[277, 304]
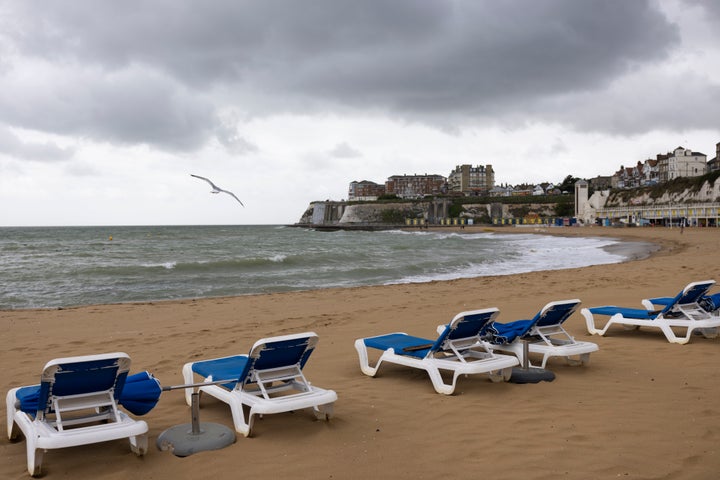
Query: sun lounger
[268, 380]
[75, 404]
[544, 334]
[682, 312]
[457, 349]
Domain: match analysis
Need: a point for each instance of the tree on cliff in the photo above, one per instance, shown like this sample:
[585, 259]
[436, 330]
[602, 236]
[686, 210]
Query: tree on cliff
[568, 185]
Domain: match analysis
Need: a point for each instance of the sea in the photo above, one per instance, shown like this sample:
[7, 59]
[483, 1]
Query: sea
[56, 267]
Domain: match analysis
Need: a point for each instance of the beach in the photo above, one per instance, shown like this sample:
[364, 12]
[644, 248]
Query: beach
[643, 408]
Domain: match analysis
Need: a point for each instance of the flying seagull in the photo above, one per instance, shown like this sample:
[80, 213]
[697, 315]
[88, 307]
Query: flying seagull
[216, 189]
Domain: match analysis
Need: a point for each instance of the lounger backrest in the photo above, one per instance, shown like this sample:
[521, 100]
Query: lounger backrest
[81, 375]
[465, 325]
[690, 294]
[277, 352]
[555, 313]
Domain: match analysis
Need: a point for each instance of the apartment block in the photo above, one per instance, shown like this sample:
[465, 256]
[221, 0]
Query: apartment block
[365, 190]
[416, 186]
[469, 180]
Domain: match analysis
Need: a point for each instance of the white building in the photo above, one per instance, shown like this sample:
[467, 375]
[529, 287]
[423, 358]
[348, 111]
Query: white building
[686, 163]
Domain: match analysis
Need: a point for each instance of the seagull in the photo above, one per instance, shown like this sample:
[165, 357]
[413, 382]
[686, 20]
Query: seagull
[216, 189]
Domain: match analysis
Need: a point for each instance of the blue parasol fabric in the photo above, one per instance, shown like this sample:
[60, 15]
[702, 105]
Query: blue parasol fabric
[139, 395]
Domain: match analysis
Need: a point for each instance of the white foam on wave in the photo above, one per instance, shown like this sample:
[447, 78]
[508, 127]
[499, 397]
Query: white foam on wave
[536, 253]
[166, 265]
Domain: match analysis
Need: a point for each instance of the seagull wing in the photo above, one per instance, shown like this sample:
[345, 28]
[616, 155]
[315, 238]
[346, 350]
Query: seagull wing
[207, 180]
[217, 189]
[232, 195]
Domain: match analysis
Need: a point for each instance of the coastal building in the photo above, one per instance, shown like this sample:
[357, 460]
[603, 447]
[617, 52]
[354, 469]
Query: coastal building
[680, 162]
[662, 167]
[686, 163]
[650, 172]
[581, 198]
[500, 191]
[365, 190]
[416, 186]
[469, 180]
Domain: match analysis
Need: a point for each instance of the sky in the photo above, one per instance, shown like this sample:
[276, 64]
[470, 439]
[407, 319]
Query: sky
[107, 107]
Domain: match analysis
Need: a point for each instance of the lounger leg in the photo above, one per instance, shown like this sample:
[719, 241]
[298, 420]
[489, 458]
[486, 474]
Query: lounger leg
[238, 414]
[363, 357]
[545, 359]
[709, 332]
[590, 323]
[188, 379]
[672, 338]
[437, 381]
[582, 360]
[499, 376]
[139, 445]
[323, 412]
[12, 428]
[34, 457]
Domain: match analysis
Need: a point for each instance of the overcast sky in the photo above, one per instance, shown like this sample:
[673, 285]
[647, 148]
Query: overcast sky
[107, 107]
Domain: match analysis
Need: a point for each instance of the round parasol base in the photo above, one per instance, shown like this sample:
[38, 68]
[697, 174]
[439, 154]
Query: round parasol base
[183, 440]
[531, 375]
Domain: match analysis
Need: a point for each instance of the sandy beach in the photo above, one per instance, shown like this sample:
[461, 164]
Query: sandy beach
[642, 409]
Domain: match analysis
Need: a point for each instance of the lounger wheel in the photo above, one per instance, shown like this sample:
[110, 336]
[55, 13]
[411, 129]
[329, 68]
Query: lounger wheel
[581, 361]
[139, 445]
[321, 416]
[323, 412]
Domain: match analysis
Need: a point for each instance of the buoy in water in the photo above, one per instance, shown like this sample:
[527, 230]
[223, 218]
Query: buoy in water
[110, 238]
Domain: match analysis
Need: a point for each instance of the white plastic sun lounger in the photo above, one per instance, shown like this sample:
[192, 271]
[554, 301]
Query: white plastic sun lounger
[77, 405]
[268, 380]
[682, 312]
[457, 349]
[545, 335]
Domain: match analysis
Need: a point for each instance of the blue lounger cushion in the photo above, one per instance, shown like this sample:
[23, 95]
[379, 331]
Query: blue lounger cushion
[505, 333]
[710, 302]
[234, 367]
[638, 313]
[402, 344]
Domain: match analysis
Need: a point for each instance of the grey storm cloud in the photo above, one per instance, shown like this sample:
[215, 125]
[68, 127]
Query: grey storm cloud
[10, 144]
[154, 66]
